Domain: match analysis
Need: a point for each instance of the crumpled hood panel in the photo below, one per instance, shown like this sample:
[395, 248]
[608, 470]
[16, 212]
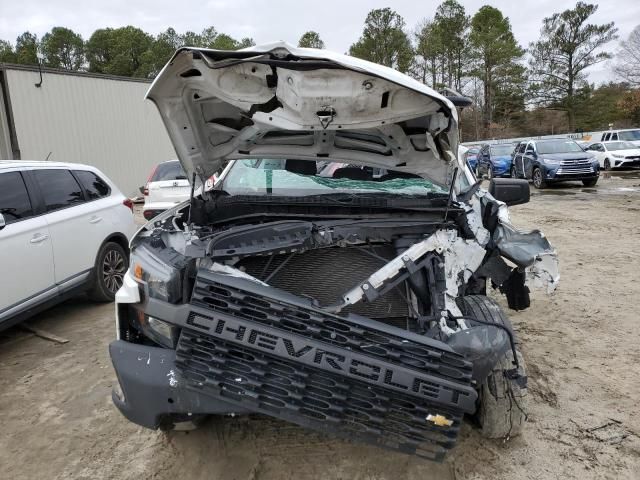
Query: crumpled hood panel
[278, 101]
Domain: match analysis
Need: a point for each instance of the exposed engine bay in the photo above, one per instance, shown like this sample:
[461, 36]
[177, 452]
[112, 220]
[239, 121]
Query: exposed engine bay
[406, 269]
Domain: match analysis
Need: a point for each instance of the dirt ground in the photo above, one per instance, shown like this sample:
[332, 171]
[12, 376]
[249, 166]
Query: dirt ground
[581, 346]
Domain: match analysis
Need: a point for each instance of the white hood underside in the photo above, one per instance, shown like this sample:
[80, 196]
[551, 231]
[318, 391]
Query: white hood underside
[277, 101]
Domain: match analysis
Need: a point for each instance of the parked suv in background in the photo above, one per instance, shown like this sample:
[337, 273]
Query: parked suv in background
[166, 187]
[556, 160]
[64, 228]
[495, 160]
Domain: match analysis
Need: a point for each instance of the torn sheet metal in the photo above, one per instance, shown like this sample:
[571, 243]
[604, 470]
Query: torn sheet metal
[544, 273]
[522, 248]
[227, 270]
[461, 259]
[532, 251]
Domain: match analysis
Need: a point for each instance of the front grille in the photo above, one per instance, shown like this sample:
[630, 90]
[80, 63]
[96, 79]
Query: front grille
[576, 161]
[574, 170]
[271, 353]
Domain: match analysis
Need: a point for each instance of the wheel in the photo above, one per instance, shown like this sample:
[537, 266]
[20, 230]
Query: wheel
[538, 181]
[590, 183]
[607, 164]
[502, 399]
[112, 263]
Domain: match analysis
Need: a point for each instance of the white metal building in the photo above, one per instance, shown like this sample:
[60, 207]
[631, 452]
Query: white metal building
[100, 120]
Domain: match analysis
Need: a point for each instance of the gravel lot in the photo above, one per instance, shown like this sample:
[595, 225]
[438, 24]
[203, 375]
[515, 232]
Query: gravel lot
[581, 348]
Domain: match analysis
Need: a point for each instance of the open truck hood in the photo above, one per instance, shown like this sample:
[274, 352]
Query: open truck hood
[278, 101]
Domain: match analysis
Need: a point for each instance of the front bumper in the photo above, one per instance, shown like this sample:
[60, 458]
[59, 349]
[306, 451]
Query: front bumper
[151, 389]
[501, 169]
[246, 347]
[560, 174]
[626, 163]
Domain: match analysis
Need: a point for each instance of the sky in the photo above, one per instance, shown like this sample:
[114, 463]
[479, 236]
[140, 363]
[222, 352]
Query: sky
[339, 22]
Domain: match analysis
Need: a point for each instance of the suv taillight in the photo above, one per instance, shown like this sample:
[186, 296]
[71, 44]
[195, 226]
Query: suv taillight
[145, 190]
[128, 203]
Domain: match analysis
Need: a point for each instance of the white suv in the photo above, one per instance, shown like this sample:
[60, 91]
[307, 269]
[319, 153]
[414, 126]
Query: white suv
[166, 187]
[64, 228]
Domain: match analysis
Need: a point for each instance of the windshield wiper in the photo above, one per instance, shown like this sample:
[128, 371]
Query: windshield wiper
[380, 200]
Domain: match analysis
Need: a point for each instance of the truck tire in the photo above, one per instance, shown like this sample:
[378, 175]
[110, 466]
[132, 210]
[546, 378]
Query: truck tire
[502, 400]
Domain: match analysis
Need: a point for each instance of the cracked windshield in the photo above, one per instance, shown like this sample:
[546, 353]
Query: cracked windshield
[304, 177]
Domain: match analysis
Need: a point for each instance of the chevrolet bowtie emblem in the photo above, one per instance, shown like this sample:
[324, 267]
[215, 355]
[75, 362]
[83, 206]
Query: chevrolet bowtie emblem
[439, 420]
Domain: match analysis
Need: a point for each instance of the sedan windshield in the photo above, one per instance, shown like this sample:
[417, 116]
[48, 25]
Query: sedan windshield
[278, 177]
[620, 145]
[558, 146]
[501, 150]
[632, 135]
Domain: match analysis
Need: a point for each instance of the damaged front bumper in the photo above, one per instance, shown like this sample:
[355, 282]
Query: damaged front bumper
[149, 390]
[248, 347]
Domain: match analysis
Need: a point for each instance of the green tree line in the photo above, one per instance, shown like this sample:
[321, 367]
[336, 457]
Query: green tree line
[516, 90]
[126, 51]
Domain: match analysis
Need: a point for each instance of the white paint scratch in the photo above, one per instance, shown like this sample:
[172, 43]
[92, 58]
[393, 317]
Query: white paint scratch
[173, 381]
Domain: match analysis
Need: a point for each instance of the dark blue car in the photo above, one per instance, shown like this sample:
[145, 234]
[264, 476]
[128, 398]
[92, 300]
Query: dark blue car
[495, 160]
[472, 158]
[556, 160]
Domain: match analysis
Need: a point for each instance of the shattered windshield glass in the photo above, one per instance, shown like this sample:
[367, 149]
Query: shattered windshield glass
[291, 177]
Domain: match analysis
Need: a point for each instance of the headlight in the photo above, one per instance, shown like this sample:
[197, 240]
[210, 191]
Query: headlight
[617, 155]
[162, 281]
[161, 332]
[551, 161]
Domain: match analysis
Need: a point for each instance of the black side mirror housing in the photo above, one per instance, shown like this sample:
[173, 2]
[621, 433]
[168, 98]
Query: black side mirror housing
[512, 191]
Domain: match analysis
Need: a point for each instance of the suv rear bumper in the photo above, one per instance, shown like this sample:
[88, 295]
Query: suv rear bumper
[150, 389]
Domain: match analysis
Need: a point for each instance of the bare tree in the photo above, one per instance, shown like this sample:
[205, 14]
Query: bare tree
[628, 58]
[568, 45]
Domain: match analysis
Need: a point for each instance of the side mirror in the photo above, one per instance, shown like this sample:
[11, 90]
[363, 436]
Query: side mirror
[511, 191]
[2, 222]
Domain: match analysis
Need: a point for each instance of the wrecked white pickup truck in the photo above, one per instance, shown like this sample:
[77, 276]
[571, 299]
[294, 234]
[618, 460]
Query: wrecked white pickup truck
[336, 275]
